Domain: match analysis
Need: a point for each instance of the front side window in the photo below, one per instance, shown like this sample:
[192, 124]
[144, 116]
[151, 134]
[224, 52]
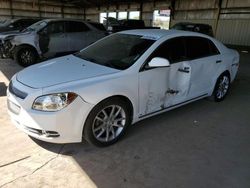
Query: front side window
[54, 28]
[73, 27]
[173, 50]
[119, 51]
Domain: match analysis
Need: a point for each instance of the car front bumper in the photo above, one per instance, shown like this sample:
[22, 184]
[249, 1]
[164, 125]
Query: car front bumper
[64, 126]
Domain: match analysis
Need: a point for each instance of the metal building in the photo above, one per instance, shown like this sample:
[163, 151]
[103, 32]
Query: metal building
[230, 19]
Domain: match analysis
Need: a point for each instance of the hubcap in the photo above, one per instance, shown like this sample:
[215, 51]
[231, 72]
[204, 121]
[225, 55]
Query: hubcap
[26, 57]
[223, 87]
[109, 123]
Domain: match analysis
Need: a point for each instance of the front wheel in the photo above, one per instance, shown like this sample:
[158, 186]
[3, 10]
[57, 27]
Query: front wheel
[107, 122]
[25, 56]
[221, 88]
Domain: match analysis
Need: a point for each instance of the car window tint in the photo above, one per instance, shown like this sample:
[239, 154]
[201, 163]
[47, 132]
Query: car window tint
[16, 24]
[55, 27]
[197, 47]
[213, 49]
[173, 50]
[72, 27]
[118, 51]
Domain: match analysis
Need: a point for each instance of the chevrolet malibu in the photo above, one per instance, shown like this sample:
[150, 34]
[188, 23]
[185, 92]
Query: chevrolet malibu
[98, 92]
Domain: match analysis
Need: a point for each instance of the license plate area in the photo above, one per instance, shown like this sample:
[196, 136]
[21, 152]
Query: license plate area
[14, 108]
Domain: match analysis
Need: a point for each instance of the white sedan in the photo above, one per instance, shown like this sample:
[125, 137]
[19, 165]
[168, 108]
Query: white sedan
[98, 92]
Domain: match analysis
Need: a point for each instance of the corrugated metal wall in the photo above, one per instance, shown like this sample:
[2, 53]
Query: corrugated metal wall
[39, 8]
[231, 22]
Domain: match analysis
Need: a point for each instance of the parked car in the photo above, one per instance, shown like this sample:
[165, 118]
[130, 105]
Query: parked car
[195, 27]
[124, 78]
[16, 24]
[49, 38]
[113, 25]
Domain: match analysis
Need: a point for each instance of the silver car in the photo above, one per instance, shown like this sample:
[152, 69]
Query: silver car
[49, 38]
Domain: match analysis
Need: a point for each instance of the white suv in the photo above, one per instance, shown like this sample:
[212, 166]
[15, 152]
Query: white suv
[50, 38]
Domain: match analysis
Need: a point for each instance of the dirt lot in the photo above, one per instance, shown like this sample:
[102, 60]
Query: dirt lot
[203, 145]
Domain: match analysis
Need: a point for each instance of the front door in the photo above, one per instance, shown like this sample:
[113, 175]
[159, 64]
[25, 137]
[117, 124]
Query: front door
[57, 38]
[161, 88]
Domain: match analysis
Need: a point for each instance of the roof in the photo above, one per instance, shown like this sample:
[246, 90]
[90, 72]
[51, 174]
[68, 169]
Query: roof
[67, 19]
[156, 34]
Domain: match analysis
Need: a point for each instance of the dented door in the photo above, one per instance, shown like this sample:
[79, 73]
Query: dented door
[178, 83]
[161, 88]
[153, 84]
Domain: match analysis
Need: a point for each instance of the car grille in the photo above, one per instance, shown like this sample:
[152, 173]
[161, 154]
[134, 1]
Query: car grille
[17, 92]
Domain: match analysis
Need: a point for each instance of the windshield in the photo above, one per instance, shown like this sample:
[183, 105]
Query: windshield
[36, 26]
[118, 51]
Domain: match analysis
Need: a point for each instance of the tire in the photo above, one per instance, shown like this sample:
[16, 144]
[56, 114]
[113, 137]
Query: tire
[221, 88]
[102, 127]
[25, 56]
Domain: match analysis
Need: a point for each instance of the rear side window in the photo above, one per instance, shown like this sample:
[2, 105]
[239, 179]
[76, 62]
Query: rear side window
[197, 47]
[172, 50]
[73, 27]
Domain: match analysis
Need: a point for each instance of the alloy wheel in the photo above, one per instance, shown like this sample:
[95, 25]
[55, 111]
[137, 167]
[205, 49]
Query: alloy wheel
[26, 57]
[109, 123]
[222, 87]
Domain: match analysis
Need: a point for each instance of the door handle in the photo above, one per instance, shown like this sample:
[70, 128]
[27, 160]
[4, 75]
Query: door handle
[184, 69]
[218, 61]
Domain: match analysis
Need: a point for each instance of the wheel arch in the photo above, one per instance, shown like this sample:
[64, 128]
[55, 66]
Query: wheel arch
[123, 98]
[21, 46]
[227, 72]
[120, 97]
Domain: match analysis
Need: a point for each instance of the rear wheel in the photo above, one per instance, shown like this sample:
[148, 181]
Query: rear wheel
[107, 122]
[25, 56]
[221, 88]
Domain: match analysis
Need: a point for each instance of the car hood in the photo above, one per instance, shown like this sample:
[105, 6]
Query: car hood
[61, 70]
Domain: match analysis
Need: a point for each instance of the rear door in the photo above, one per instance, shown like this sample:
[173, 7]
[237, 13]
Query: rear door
[204, 61]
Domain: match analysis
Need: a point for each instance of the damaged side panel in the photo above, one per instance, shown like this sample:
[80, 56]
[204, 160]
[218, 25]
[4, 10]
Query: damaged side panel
[152, 87]
[161, 88]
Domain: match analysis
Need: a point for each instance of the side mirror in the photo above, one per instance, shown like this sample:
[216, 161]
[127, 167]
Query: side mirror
[158, 62]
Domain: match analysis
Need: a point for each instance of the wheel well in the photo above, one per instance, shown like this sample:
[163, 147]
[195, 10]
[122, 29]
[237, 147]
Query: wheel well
[126, 99]
[227, 73]
[26, 46]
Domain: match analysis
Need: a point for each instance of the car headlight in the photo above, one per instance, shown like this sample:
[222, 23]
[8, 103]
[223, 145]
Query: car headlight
[53, 102]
